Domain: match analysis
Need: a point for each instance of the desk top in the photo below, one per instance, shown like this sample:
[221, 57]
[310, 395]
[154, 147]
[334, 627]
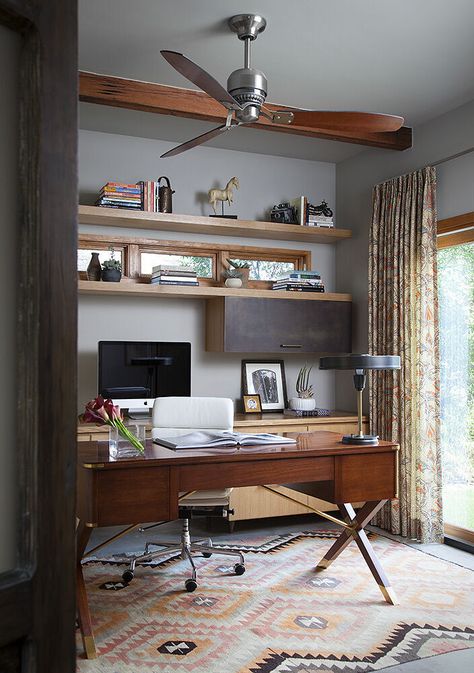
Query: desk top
[95, 455]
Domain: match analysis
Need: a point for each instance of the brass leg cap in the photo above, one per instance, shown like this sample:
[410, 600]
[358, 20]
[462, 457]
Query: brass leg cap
[323, 564]
[389, 595]
[89, 647]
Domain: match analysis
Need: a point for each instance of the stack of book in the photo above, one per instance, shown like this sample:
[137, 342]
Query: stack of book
[150, 195]
[120, 195]
[307, 214]
[300, 281]
[299, 413]
[164, 274]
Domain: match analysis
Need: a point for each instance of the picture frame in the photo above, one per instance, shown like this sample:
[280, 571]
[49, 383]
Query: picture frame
[267, 379]
[252, 404]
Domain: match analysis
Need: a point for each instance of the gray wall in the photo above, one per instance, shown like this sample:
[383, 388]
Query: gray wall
[9, 56]
[438, 139]
[264, 180]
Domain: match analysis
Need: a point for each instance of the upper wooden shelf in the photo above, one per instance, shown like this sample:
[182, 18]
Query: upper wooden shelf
[116, 217]
[128, 287]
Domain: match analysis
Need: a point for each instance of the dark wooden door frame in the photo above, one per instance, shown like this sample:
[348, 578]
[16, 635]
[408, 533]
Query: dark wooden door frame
[37, 606]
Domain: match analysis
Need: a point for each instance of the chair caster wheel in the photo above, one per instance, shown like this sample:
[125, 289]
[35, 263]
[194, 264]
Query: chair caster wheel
[127, 576]
[239, 568]
[206, 554]
[190, 585]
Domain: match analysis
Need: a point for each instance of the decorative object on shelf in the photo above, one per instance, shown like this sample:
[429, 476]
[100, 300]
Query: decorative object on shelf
[301, 413]
[94, 269]
[165, 194]
[360, 363]
[252, 404]
[305, 400]
[103, 412]
[222, 195]
[323, 209]
[267, 379]
[284, 214]
[112, 269]
[246, 92]
[243, 269]
[233, 278]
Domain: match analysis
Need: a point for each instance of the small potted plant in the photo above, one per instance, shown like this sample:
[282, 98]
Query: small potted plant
[243, 268]
[233, 278]
[112, 269]
[305, 400]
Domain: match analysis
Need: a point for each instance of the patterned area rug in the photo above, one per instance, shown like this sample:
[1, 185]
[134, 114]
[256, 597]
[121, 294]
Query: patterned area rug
[280, 616]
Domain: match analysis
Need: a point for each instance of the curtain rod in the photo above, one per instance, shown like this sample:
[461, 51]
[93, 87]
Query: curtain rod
[453, 156]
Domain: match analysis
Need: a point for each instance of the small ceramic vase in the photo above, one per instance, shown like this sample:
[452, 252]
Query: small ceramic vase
[303, 403]
[233, 282]
[94, 270]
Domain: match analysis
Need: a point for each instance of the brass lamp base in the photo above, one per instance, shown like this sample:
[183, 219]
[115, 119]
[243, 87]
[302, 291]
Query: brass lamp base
[360, 439]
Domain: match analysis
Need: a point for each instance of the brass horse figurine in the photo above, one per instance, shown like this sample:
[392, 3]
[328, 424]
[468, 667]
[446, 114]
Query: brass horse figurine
[226, 194]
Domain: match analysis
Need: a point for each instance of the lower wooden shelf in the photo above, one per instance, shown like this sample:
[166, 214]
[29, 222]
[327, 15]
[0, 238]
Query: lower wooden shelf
[255, 502]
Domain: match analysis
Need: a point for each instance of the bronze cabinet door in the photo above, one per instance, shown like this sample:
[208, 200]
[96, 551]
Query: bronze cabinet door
[257, 325]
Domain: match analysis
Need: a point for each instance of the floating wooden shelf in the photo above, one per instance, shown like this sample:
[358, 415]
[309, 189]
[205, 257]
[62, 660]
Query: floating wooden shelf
[116, 217]
[127, 287]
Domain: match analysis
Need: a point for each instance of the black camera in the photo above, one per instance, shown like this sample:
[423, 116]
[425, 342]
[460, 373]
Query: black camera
[283, 213]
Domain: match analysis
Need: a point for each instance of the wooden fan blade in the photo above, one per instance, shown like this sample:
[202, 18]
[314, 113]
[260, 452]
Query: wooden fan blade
[346, 121]
[200, 78]
[203, 138]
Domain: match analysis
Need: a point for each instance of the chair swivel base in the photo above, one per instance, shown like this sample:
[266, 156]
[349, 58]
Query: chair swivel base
[360, 439]
[186, 549]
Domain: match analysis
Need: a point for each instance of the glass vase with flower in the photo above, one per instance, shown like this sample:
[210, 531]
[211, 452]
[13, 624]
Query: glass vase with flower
[122, 441]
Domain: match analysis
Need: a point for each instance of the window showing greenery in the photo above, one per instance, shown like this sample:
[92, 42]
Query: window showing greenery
[265, 269]
[202, 265]
[456, 304]
[84, 257]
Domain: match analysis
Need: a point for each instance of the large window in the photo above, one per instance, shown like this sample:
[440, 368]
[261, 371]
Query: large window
[456, 303]
[209, 260]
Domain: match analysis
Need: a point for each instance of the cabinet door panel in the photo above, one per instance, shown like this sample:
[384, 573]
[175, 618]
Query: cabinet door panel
[254, 325]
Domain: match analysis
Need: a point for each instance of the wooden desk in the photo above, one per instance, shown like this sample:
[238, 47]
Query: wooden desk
[134, 490]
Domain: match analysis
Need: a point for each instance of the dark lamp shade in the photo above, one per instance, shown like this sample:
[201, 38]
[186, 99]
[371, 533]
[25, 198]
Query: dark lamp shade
[355, 361]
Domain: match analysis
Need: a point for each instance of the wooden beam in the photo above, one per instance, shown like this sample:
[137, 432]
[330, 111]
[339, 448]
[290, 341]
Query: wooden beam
[171, 100]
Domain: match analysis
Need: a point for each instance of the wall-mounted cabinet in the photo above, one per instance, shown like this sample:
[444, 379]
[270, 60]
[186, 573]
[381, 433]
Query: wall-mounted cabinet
[260, 325]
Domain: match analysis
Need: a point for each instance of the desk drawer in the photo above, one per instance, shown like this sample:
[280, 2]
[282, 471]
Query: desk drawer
[195, 477]
[132, 496]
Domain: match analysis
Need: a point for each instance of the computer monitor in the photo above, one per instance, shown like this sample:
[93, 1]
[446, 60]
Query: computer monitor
[134, 373]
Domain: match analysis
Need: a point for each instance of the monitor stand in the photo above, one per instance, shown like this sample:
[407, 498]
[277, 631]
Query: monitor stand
[139, 414]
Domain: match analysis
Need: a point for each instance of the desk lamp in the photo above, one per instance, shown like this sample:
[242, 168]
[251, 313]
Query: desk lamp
[360, 363]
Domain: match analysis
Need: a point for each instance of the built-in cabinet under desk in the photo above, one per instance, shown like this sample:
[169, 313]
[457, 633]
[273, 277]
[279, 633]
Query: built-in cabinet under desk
[255, 502]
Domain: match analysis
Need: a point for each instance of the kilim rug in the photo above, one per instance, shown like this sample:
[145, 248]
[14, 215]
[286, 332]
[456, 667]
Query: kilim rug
[280, 616]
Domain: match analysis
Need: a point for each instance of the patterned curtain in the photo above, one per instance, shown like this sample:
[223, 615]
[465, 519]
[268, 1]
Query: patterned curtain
[403, 320]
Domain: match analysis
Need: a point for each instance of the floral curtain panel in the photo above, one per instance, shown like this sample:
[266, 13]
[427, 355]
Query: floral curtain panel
[403, 320]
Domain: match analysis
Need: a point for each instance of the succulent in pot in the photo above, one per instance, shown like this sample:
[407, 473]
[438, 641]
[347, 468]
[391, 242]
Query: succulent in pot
[112, 269]
[243, 267]
[233, 277]
[304, 389]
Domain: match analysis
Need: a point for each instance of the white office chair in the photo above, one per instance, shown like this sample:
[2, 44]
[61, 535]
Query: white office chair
[174, 416]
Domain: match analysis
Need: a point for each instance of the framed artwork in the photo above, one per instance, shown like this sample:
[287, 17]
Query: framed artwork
[265, 378]
[252, 404]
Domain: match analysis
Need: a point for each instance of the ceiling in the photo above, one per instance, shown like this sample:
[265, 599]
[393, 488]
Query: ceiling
[414, 58]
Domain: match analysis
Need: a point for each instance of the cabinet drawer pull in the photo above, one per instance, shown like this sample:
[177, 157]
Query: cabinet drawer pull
[291, 345]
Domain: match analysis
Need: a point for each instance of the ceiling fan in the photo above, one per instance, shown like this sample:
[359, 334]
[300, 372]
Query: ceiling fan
[246, 91]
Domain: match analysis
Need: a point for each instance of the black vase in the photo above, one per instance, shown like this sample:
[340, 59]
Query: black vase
[94, 270]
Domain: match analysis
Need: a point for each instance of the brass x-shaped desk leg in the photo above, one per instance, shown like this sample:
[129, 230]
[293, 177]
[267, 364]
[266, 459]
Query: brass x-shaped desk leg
[356, 532]
[83, 613]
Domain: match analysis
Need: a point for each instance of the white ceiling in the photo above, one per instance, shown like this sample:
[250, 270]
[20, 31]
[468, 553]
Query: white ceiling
[413, 57]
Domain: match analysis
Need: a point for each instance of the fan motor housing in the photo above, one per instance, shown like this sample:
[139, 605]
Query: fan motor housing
[249, 87]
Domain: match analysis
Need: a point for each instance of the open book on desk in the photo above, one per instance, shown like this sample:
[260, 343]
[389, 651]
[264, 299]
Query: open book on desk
[207, 440]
